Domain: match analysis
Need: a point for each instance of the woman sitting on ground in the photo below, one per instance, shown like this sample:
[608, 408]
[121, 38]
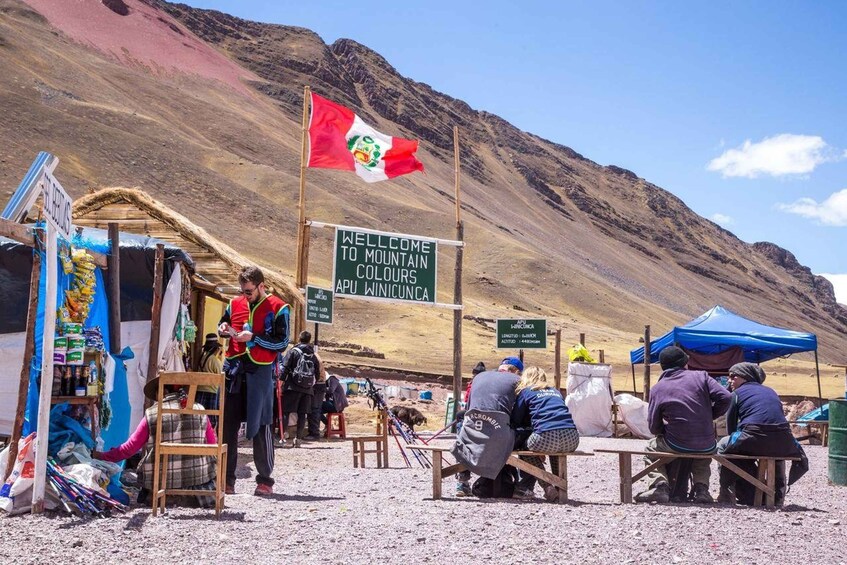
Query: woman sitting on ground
[196, 472]
[541, 410]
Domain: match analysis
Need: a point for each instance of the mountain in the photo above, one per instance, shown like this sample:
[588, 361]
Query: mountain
[202, 110]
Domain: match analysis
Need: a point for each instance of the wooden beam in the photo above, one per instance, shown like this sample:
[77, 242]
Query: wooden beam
[29, 349]
[113, 288]
[156, 313]
[199, 321]
[457, 321]
[22, 233]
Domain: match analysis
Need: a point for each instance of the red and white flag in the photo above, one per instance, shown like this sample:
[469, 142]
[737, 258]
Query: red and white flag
[339, 139]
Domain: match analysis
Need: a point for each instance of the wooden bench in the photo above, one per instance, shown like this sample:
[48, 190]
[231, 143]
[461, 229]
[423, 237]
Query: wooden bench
[765, 483]
[560, 481]
[822, 425]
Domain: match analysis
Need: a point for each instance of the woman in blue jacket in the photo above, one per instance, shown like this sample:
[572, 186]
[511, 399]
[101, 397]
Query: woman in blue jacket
[541, 411]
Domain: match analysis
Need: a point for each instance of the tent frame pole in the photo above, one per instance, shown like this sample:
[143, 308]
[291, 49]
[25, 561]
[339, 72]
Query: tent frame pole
[818, 373]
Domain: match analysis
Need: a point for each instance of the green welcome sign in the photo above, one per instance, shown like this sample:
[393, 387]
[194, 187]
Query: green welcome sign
[384, 266]
[522, 334]
[318, 305]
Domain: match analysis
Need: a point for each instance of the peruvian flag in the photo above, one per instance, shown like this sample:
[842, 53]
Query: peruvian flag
[339, 139]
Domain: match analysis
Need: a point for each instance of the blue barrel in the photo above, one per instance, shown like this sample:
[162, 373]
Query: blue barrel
[425, 395]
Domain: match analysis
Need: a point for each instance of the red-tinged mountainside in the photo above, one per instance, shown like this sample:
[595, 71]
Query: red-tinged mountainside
[549, 233]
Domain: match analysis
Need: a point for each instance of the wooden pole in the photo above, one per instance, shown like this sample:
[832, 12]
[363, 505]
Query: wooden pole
[315, 337]
[156, 314]
[558, 375]
[631, 366]
[46, 389]
[301, 208]
[457, 282]
[582, 339]
[113, 263]
[818, 373]
[647, 354]
[200, 322]
[602, 355]
[29, 349]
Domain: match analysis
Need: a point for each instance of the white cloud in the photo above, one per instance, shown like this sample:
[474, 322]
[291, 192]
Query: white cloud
[830, 212]
[721, 219]
[839, 282]
[784, 154]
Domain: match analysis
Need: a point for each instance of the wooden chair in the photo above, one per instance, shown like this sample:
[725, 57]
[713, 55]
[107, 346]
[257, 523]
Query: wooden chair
[163, 450]
[379, 441]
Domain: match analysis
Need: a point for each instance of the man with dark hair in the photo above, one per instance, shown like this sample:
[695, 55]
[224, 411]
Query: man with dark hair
[756, 425]
[256, 324]
[300, 370]
[682, 409]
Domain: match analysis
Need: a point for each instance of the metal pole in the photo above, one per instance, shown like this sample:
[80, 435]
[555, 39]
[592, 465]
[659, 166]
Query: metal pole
[647, 354]
[558, 374]
[818, 373]
[113, 263]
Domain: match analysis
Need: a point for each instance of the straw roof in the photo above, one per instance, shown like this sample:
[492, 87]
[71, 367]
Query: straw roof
[216, 263]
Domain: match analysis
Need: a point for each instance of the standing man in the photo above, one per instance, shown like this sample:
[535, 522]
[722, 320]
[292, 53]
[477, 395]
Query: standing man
[256, 324]
[300, 369]
[683, 407]
[318, 393]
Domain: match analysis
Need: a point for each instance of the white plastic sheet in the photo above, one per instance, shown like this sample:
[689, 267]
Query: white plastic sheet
[589, 398]
[633, 412]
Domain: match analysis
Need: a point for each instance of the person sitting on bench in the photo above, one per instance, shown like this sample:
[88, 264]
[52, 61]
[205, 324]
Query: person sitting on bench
[542, 410]
[681, 411]
[486, 438]
[756, 425]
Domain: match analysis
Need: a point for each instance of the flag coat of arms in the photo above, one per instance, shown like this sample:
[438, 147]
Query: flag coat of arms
[339, 139]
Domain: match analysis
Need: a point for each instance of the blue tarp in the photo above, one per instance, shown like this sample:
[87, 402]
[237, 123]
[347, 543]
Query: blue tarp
[719, 329]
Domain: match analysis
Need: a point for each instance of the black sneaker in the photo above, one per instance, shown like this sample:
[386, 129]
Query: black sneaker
[660, 494]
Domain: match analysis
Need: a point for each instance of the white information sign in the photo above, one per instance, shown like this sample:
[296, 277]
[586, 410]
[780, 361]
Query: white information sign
[57, 205]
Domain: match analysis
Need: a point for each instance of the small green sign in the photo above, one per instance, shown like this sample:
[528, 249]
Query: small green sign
[522, 334]
[384, 266]
[318, 305]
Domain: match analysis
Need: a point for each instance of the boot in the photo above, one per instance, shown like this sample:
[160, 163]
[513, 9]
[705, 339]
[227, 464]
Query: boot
[660, 493]
[701, 494]
[727, 495]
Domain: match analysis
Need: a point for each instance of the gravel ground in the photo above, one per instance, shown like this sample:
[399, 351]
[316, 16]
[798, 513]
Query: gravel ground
[324, 511]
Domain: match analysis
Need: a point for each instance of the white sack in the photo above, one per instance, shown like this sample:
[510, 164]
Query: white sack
[589, 398]
[633, 412]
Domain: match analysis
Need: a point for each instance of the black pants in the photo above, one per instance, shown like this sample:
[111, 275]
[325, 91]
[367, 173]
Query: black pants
[317, 403]
[235, 412]
[296, 407]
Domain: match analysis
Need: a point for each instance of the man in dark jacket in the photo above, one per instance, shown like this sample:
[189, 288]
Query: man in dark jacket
[756, 425]
[681, 413]
[300, 368]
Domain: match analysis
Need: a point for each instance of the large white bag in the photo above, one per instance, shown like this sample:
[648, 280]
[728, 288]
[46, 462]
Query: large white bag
[633, 412]
[589, 398]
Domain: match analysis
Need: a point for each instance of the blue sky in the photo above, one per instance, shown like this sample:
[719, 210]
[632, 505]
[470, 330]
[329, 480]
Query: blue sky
[737, 108]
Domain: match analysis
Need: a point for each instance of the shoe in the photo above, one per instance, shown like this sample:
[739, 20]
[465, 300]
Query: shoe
[311, 438]
[263, 490]
[726, 496]
[463, 490]
[701, 494]
[551, 493]
[229, 489]
[521, 494]
[660, 494]
[297, 442]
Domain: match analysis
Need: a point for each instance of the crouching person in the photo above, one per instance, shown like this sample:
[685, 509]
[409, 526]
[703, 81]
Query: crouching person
[681, 412]
[486, 438]
[542, 409]
[195, 472]
[756, 425]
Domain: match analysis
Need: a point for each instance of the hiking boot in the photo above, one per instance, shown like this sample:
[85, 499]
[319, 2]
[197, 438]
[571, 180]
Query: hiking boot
[263, 490]
[229, 489]
[660, 493]
[522, 494]
[463, 490]
[311, 438]
[551, 493]
[726, 496]
[297, 442]
[701, 494]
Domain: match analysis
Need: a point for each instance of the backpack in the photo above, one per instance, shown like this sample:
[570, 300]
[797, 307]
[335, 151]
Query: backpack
[304, 372]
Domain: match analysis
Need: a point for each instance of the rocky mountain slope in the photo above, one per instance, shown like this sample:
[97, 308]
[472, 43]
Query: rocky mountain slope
[549, 233]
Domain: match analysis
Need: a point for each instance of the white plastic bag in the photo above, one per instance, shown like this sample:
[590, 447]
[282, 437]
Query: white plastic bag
[633, 412]
[21, 478]
[590, 398]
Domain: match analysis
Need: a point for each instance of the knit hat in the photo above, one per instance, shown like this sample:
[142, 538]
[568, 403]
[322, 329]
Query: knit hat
[479, 368]
[672, 357]
[514, 362]
[748, 371]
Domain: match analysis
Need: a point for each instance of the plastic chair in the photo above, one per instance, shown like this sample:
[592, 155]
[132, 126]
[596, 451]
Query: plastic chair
[164, 450]
[335, 426]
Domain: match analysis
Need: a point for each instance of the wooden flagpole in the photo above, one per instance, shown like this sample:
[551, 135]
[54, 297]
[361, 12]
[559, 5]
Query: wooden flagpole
[302, 265]
[457, 288]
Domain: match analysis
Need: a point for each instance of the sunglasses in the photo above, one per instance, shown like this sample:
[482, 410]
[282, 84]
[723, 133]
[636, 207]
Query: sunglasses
[248, 291]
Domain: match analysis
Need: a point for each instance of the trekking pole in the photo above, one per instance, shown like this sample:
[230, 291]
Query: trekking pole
[441, 431]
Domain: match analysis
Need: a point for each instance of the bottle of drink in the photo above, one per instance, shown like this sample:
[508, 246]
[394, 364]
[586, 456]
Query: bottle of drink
[79, 382]
[66, 384]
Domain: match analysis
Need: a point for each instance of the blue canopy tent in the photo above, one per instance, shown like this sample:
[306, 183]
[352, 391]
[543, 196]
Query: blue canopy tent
[719, 330]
